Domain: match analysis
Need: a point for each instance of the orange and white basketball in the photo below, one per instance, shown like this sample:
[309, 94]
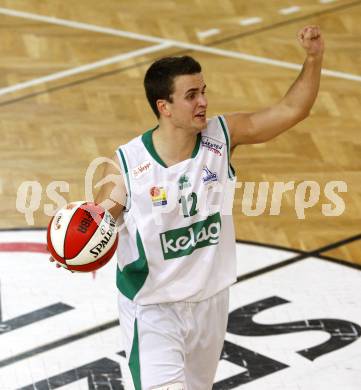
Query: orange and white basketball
[82, 236]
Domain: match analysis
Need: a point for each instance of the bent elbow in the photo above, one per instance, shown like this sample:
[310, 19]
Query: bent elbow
[306, 114]
[303, 115]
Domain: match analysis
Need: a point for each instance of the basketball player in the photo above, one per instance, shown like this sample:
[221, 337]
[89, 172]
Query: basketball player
[176, 253]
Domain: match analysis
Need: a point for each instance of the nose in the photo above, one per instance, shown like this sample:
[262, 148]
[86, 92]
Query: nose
[202, 100]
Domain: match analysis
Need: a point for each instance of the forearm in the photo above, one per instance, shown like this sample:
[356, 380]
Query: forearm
[302, 94]
[261, 126]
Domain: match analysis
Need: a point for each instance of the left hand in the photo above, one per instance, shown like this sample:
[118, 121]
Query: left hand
[311, 40]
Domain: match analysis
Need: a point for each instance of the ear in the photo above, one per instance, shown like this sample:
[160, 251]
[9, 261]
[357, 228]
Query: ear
[163, 107]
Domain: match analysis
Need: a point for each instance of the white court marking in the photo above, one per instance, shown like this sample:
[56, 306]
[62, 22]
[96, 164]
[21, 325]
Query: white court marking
[79, 25]
[163, 43]
[208, 33]
[289, 10]
[249, 21]
[84, 68]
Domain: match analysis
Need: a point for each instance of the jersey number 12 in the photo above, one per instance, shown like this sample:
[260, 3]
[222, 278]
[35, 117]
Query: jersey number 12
[189, 204]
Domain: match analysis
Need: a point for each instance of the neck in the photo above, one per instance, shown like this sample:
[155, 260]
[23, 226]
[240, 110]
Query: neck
[174, 144]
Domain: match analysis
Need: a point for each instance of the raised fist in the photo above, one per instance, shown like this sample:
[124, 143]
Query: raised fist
[311, 40]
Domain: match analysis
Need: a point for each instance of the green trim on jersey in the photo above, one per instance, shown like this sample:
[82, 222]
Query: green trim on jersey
[147, 139]
[197, 145]
[133, 276]
[134, 363]
[126, 171]
[231, 171]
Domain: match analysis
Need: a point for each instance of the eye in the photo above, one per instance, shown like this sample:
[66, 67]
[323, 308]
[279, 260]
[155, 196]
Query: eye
[191, 96]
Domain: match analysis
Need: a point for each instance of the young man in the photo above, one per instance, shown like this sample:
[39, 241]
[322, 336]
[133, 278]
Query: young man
[176, 254]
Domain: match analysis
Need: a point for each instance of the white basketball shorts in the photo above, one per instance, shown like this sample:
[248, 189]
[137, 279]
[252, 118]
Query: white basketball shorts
[174, 346]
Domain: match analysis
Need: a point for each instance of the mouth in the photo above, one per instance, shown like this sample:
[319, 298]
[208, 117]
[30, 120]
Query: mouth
[201, 115]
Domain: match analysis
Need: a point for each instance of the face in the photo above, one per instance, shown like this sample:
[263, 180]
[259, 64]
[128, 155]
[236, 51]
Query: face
[189, 105]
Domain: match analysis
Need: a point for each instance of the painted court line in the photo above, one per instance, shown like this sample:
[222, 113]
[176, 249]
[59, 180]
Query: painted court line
[289, 10]
[208, 33]
[84, 68]
[79, 25]
[163, 43]
[249, 21]
[261, 60]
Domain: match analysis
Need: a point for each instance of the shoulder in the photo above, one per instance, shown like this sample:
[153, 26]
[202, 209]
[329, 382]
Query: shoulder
[128, 153]
[133, 143]
[217, 129]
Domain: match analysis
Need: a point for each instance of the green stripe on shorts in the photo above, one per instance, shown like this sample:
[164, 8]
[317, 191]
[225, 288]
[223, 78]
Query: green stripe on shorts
[134, 363]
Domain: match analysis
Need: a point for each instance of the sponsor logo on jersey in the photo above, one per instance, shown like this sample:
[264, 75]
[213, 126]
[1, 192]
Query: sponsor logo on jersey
[208, 176]
[212, 145]
[141, 169]
[159, 196]
[184, 241]
[184, 182]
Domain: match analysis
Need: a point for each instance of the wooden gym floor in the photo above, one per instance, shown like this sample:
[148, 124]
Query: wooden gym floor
[51, 129]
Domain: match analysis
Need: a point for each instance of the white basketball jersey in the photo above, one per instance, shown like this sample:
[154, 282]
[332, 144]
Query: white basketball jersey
[177, 242]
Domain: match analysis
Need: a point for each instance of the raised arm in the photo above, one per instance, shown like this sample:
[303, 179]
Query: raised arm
[112, 194]
[261, 126]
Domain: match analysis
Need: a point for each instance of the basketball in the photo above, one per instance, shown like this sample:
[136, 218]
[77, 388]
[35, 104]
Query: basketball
[82, 236]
